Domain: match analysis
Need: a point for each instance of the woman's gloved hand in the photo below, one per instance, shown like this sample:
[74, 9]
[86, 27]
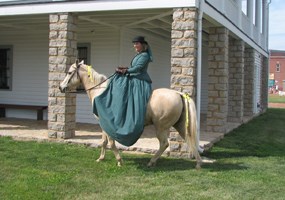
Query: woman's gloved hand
[122, 70]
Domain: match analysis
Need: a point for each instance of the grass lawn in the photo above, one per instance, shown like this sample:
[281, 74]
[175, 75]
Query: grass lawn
[250, 164]
[275, 98]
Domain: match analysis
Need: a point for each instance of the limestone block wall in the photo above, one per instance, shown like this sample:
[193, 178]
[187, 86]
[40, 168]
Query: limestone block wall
[218, 74]
[62, 53]
[249, 59]
[236, 80]
[264, 84]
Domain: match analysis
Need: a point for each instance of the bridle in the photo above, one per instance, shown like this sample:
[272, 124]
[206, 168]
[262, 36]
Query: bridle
[78, 76]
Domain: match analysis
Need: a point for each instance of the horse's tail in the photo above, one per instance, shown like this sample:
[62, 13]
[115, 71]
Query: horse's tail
[191, 132]
[192, 135]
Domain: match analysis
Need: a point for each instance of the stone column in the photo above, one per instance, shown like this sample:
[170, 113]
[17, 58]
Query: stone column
[249, 63]
[183, 61]
[236, 80]
[218, 80]
[264, 83]
[62, 53]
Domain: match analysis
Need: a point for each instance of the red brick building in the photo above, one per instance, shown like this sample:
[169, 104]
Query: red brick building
[277, 69]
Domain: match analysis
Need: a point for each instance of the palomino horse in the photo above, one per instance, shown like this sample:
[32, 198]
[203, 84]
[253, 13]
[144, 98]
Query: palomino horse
[166, 108]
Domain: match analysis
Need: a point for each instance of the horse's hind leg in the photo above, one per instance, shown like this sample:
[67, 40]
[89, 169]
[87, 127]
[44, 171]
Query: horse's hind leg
[163, 144]
[116, 152]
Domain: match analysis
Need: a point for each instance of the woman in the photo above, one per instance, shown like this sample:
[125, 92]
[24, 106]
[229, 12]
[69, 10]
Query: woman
[122, 106]
[140, 62]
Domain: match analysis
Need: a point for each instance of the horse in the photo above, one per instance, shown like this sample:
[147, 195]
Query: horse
[166, 108]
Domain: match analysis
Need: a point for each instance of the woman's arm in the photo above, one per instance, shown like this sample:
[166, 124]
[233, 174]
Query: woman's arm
[140, 63]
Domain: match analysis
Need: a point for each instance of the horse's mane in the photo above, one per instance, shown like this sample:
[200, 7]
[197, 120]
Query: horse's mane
[98, 78]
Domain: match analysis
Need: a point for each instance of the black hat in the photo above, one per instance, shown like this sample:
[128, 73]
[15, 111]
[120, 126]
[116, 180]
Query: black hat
[139, 39]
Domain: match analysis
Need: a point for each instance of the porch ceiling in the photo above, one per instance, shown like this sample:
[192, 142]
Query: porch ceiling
[155, 21]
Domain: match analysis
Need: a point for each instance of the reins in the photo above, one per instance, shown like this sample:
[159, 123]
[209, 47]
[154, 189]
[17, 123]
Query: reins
[78, 91]
[102, 82]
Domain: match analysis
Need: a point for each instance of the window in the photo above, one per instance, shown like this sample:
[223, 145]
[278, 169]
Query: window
[277, 67]
[83, 53]
[6, 67]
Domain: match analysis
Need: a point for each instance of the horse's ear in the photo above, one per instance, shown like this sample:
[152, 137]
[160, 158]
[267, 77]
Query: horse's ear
[77, 62]
[82, 62]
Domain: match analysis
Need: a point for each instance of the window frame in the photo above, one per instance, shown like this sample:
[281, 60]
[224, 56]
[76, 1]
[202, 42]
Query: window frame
[88, 46]
[277, 67]
[87, 61]
[9, 71]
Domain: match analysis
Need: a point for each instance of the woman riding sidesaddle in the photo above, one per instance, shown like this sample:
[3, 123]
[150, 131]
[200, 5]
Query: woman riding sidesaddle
[121, 108]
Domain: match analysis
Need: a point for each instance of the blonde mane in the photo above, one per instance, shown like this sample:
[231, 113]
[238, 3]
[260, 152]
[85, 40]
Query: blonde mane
[98, 78]
[95, 76]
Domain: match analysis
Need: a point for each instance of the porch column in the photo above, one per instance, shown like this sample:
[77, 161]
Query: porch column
[249, 63]
[236, 80]
[218, 80]
[62, 53]
[264, 83]
[183, 62]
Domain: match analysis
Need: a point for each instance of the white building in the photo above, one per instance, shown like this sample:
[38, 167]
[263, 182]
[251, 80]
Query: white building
[217, 50]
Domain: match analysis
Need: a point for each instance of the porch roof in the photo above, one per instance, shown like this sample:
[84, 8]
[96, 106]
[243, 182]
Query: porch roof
[54, 6]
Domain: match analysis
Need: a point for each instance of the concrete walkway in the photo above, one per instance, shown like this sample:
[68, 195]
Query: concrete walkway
[90, 135]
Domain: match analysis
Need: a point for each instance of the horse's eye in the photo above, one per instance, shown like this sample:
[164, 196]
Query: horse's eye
[69, 73]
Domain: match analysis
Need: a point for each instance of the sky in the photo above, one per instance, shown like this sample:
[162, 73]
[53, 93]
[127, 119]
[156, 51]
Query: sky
[277, 25]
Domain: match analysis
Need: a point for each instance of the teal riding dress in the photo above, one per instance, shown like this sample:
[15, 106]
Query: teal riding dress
[121, 108]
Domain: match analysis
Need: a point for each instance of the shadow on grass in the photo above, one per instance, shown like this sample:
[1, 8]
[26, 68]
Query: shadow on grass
[264, 136]
[167, 164]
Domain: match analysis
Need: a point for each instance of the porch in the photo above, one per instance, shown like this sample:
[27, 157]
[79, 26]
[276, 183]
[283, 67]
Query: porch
[90, 135]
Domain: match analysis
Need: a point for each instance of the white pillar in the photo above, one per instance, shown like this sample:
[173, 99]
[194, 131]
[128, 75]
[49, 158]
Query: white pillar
[250, 15]
[258, 18]
[239, 4]
[258, 14]
[265, 12]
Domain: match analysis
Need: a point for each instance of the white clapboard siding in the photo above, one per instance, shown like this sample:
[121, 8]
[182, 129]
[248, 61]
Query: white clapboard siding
[30, 72]
[257, 82]
[109, 49]
[105, 48]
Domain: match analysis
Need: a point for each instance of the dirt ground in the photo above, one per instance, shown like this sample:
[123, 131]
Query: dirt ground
[276, 105]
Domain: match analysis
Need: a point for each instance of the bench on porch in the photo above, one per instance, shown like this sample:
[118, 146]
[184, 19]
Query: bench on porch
[39, 109]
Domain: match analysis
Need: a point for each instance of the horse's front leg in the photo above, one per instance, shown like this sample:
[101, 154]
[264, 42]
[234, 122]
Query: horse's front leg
[103, 148]
[116, 152]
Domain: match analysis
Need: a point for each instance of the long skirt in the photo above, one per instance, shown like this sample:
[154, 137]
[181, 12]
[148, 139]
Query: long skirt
[121, 108]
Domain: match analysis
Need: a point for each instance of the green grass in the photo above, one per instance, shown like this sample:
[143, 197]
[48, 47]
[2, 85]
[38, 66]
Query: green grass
[250, 164]
[275, 98]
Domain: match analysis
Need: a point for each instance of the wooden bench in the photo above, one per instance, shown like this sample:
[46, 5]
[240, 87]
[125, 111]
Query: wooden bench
[39, 109]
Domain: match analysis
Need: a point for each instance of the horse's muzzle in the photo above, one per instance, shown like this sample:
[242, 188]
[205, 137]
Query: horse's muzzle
[62, 90]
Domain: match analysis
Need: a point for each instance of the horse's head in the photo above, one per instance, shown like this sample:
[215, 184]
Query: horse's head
[72, 78]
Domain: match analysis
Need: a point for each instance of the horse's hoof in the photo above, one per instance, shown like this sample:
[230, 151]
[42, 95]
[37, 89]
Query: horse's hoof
[99, 160]
[120, 162]
[151, 164]
[198, 166]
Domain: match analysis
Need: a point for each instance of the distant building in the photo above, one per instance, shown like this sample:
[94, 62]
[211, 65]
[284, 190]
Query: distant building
[277, 70]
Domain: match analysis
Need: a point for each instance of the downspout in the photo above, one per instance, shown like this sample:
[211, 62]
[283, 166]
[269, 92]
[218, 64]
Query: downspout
[199, 64]
[267, 24]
